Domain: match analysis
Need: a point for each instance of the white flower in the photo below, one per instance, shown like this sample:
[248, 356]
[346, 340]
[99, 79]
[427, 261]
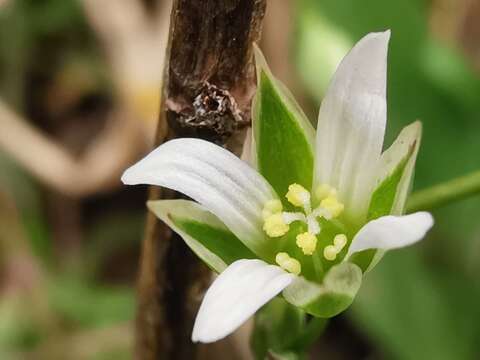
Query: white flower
[312, 215]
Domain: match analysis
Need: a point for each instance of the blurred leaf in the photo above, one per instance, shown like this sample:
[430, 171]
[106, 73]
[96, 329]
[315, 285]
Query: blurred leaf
[413, 311]
[319, 61]
[121, 354]
[50, 16]
[108, 235]
[18, 330]
[27, 197]
[86, 305]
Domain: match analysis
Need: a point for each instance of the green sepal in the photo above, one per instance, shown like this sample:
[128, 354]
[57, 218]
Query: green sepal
[283, 136]
[202, 231]
[381, 204]
[392, 187]
[334, 295]
[383, 197]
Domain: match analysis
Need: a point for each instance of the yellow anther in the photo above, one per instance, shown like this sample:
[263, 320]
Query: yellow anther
[275, 225]
[288, 263]
[271, 207]
[339, 242]
[330, 253]
[297, 195]
[324, 190]
[307, 242]
[332, 205]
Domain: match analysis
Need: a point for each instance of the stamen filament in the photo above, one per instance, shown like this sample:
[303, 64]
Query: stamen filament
[290, 217]
[313, 225]
[317, 265]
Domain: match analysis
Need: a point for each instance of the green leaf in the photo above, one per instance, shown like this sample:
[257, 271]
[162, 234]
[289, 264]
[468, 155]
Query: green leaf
[395, 178]
[202, 231]
[283, 135]
[333, 296]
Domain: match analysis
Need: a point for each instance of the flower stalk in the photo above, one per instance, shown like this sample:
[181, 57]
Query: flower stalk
[445, 193]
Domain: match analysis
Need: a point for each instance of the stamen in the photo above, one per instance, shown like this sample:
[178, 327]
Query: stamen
[297, 195]
[275, 226]
[333, 206]
[324, 190]
[339, 242]
[288, 263]
[307, 242]
[330, 253]
[271, 207]
[277, 223]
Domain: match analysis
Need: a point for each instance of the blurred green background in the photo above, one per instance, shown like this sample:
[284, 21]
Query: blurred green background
[68, 263]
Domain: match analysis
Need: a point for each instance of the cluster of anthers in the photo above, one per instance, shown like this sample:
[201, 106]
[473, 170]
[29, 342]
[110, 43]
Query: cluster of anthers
[277, 222]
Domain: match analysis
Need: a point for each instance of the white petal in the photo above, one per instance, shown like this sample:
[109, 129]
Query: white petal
[214, 177]
[351, 123]
[391, 232]
[407, 141]
[239, 291]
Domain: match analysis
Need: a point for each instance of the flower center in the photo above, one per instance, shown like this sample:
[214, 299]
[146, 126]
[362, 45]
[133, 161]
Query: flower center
[277, 222]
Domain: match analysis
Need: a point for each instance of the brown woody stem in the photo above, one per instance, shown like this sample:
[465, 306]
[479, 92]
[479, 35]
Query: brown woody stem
[207, 92]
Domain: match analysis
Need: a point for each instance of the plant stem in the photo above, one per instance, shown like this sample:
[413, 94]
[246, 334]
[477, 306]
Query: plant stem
[209, 54]
[312, 332]
[445, 193]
